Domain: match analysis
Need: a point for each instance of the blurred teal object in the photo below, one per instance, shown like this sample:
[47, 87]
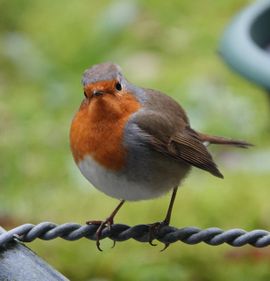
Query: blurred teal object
[245, 45]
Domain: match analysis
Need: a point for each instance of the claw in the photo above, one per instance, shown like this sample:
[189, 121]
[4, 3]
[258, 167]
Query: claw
[98, 246]
[114, 243]
[152, 244]
[153, 230]
[102, 224]
[166, 245]
[107, 223]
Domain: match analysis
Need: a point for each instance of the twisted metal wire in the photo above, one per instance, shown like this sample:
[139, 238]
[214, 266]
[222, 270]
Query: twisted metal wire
[119, 232]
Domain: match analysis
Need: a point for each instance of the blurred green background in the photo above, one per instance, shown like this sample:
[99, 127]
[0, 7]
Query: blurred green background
[167, 45]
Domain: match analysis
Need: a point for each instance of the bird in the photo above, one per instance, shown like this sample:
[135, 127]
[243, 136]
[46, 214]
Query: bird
[134, 143]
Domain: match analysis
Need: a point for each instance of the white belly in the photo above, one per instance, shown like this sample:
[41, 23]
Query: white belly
[116, 184]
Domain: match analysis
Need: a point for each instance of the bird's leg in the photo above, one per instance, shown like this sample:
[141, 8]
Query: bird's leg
[107, 222]
[156, 226]
[169, 211]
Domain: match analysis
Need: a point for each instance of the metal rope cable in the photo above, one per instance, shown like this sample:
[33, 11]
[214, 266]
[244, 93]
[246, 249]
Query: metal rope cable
[120, 232]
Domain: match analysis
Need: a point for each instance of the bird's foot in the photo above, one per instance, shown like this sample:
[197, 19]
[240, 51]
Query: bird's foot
[154, 229]
[102, 224]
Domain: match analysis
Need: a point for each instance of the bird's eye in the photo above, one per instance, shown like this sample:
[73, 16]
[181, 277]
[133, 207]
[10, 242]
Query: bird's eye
[118, 86]
[85, 94]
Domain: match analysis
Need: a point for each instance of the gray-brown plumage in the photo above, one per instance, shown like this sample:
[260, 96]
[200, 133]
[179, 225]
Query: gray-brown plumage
[151, 137]
[170, 133]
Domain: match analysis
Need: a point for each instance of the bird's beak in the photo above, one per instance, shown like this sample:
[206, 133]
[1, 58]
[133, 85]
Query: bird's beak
[97, 93]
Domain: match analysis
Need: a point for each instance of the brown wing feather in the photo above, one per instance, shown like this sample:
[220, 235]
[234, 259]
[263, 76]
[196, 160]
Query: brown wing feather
[194, 152]
[166, 126]
[185, 148]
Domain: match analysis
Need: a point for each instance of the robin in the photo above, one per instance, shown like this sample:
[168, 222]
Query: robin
[134, 143]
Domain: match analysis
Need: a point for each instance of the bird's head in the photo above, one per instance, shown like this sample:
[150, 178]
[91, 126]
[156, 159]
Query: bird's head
[102, 79]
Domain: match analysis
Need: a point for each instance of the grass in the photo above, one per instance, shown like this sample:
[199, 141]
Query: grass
[45, 46]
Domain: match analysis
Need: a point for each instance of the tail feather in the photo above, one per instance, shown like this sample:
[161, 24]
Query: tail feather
[222, 140]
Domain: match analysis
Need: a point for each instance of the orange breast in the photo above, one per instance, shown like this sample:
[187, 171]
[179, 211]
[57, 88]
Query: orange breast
[97, 129]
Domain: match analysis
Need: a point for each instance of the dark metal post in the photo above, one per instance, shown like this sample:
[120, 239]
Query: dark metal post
[19, 263]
